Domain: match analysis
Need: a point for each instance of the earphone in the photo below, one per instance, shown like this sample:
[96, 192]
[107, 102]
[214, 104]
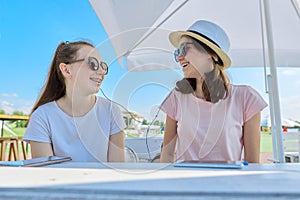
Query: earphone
[147, 131]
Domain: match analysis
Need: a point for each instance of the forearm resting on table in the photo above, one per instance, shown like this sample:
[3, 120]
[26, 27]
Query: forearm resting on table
[167, 156]
[252, 139]
[116, 148]
[40, 149]
[170, 138]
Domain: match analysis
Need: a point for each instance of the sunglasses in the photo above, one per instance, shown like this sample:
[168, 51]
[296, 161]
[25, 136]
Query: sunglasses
[94, 64]
[182, 50]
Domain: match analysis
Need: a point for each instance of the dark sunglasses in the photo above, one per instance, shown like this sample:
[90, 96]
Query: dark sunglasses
[182, 50]
[94, 64]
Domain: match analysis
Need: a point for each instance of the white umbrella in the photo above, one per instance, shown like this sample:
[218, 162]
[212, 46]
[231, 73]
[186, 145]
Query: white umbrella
[289, 123]
[284, 122]
[138, 30]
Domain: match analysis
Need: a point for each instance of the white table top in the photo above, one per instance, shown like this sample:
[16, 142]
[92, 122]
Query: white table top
[150, 181]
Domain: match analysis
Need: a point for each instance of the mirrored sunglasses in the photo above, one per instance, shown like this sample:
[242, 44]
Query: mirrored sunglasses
[182, 50]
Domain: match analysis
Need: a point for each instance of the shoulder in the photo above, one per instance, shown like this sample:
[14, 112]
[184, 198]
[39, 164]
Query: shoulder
[240, 87]
[45, 109]
[178, 97]
[106, 104]
[242, 90]
[174, 99]
[177, 94]
[102, 101]
[247, 95]
[173, 95]
[44, 113]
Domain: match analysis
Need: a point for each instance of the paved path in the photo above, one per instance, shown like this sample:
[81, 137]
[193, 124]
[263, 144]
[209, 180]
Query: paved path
[264, 157]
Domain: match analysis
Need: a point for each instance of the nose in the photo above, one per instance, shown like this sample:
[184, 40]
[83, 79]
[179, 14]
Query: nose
[100, 72]
[180, 58]
[102, 76]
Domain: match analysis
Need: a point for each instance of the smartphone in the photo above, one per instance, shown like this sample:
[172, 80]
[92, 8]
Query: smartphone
[211, 164]
[36, 162]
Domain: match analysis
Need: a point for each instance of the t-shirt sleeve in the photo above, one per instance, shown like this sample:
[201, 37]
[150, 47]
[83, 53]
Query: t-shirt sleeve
[37, 129]
[169, 106]
[117, 123]
[253, 103]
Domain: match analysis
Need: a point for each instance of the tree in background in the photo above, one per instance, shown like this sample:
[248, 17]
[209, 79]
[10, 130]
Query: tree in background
[20, 123]
[19, 113]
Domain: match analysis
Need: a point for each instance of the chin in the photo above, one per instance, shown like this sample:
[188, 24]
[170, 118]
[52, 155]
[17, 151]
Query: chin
[189, 76]
[198, 76]
[97, 90]
[94, 90]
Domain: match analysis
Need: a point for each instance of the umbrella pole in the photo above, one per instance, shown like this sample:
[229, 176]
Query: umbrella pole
[274, 138]
[274, 85]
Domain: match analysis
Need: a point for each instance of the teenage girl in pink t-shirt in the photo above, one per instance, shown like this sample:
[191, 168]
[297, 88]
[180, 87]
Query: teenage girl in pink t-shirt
[207, 117]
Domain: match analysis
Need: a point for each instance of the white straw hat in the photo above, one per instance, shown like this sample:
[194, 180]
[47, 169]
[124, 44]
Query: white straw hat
[208, 33]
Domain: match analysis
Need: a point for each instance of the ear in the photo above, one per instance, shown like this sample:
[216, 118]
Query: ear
[65, 70]
[215, 58]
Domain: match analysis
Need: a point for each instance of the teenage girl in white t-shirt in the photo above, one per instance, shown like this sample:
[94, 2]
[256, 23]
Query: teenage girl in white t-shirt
[68, 119]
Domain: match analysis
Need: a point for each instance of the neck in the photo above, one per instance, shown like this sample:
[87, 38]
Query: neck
[198, 92]
[76, 106]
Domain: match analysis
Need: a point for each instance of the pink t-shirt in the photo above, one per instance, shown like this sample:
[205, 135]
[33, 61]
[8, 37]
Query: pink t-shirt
[223, 121]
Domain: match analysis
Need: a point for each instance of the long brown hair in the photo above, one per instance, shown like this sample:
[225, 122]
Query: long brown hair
[216, 83]
[55, 86]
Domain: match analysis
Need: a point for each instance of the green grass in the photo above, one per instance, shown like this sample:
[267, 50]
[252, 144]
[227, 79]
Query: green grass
[266, 142]
[18, 131]
[131, 135]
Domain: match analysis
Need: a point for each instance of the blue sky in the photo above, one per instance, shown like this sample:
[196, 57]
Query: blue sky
[31, 30]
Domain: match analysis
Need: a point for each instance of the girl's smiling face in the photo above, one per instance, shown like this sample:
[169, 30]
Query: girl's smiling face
[87, 79]
[195, 61]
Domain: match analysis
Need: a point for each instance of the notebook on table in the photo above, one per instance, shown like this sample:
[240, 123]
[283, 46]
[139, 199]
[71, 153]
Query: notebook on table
[36, 162]
[211, 164]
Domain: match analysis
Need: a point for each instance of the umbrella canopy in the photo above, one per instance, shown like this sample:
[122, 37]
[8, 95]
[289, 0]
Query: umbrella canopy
[284, 122]
[262, 33]
[138, 30]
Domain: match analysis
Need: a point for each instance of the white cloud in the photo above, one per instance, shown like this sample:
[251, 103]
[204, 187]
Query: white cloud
[7, 106]
[6, 103]
[25, 109]
[9, 95]
[16, 104]
[289, 72]
[290, 107]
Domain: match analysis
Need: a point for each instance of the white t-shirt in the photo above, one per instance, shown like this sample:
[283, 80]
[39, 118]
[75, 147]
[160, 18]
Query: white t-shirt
[219, 124]
[85, 138]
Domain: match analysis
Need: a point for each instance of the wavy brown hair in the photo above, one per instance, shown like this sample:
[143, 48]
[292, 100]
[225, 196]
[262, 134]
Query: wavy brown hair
[216, 83]
[55, 86]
